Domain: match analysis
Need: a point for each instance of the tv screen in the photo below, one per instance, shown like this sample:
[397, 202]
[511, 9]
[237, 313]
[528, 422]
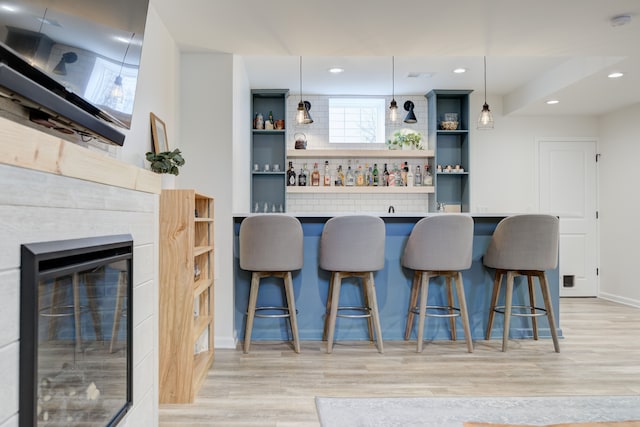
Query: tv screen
[72, 65]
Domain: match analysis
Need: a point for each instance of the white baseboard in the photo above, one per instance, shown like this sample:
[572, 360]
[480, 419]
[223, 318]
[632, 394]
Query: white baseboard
[619, 299]
[225, 342]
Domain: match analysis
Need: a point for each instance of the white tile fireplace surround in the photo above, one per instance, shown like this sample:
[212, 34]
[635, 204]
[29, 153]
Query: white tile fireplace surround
[37, 205]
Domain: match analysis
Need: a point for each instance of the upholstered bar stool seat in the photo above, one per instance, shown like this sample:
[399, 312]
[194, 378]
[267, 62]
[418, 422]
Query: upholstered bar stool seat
[352, 246]
[523, 245]
[271, 246]
[439, 246]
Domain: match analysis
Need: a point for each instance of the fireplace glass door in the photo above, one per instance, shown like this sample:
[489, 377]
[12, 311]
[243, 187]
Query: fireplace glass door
[78, 322]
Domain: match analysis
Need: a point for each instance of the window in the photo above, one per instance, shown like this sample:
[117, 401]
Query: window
[356, 120]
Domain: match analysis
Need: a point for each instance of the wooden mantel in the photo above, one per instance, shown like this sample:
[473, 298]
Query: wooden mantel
[27, 148]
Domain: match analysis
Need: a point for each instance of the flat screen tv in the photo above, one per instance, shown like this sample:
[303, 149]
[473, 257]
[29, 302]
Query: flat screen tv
[70, 67]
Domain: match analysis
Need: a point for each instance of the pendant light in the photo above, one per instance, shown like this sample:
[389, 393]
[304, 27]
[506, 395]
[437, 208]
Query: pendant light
[303, 117]
[485, 121]
[117, 91]
[393, 107]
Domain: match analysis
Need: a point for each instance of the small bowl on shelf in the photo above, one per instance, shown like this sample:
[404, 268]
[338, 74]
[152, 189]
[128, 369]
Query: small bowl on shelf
[449, 121]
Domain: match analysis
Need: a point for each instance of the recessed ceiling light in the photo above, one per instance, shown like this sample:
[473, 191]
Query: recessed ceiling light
[336, 70]
[460, 70]
[615, 75]
[552, 101]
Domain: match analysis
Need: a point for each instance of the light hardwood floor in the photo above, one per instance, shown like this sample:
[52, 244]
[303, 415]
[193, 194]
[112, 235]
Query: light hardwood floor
[273, 386]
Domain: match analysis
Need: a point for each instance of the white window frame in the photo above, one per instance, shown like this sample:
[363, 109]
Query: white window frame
[357, 120]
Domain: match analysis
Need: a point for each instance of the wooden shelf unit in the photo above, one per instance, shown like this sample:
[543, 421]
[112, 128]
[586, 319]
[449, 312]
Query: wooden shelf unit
[186, 299]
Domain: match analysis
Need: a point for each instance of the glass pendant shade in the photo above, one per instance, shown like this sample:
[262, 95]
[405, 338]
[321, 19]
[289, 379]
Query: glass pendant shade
[117, 92]
[485, 121]
[393, 111]
[302, 116]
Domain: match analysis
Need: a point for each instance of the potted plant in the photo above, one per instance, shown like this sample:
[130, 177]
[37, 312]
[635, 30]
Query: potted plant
[166, 161]
[406, 139]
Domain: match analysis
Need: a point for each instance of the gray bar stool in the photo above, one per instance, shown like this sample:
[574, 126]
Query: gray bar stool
[439, 246]
[352, 246]
[271, 246]
[523, 245]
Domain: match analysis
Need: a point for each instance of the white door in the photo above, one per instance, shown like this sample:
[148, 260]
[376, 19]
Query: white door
[567, 187]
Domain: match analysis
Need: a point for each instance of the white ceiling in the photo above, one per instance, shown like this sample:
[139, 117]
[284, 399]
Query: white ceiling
[536, 50]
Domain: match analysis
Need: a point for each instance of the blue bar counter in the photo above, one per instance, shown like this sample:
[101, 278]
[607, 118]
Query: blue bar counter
[393, 285]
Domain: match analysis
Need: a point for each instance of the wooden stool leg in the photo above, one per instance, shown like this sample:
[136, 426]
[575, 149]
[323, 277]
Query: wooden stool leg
[532, 303]
[327, 313]
[546, 295]
[424, 291]
[494, 301]
[462, 302]
[77, 311]
[291, 304]
[413, 302]
[452, 320]
[335, 296]
[371, 291]
[90, 288]
[117, 313]
[507, 309]
[367, 305]
[251, 309]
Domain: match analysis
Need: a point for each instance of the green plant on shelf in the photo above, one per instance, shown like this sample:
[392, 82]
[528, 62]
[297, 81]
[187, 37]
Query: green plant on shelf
[166, 161]
[405, 139]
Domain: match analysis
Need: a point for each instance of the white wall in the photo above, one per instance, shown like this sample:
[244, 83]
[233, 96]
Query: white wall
[503, 160]
[206, 139]
[619, 204]
[156, 91]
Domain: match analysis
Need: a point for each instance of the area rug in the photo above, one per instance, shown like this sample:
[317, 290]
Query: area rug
[455, 411]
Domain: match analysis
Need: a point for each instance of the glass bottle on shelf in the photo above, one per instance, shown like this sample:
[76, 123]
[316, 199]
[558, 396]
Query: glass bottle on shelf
[391, 182]
[428, 177]
[339, 177]
[375, 175]
[291, 175]
[327, 174]
[410, 177]
[418, 177]
[350, 178]
[302, 178]
[399, 181]
[315, 176]
[359, 176]
[403, 174]
[385, 177]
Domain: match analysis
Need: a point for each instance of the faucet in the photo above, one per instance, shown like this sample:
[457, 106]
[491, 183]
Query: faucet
[391, 210]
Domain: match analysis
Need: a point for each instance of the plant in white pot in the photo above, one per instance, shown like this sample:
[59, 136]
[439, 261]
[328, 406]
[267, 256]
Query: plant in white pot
[405, 139]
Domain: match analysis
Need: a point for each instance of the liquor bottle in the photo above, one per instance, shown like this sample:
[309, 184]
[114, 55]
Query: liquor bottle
[359, 176]
[351, 179]
[271, 116]
[291, 175]
[302, 178]
[376, 175]
[368, 178]
[315, 176]
[339, 177]
[403, 174]
[392, 177]
[399, 181]
[307, 174]
[410, 178]
[327, 174]
[418, 177]
[385, 177]
[427, 180]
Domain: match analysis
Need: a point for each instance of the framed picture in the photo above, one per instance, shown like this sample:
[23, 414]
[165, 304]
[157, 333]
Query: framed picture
[159, 134]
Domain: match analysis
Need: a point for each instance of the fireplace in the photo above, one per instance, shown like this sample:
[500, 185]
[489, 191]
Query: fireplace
[76, 332]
